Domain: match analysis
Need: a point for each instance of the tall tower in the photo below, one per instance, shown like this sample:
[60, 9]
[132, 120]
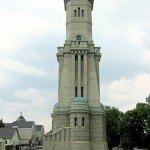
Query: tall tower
[78, 119]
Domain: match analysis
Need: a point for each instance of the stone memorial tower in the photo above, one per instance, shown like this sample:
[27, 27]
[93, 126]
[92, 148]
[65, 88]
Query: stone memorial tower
[78, 119]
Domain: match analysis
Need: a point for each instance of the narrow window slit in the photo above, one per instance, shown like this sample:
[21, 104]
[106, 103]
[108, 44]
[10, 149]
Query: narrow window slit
[75, 121]
[82, 92]
[78, 12]
[82, 13]
[76, 91]
[75, 13]
[83, 121]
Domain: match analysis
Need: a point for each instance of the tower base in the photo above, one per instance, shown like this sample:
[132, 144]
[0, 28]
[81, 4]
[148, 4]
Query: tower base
[74, 145]
[78, 128]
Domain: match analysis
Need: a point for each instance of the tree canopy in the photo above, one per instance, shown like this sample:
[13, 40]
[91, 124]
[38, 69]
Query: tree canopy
[130, 129]
[2, 124]
[113, 118]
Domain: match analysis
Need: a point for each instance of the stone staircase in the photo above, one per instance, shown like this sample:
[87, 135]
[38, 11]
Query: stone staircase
[61, 135]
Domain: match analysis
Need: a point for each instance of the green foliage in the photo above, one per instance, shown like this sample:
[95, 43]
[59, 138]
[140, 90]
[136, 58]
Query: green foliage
[132, 129]
[128, 129]
[2, 124]
[113, 118]
[148, 99]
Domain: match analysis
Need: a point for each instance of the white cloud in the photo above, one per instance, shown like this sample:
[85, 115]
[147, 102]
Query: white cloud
[14, 66]
[125, 93]
[47, 122]
[146, 58]
[45, 5]
[7, 80]
[18, 25]
[111, 4]
[32, 94]
[136, 35]
[35, 104]
[11, 111]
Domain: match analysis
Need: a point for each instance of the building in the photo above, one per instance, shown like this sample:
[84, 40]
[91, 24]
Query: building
[2, 143]
[39, 134]
[30, 134]
[11, 138]
[78, 119]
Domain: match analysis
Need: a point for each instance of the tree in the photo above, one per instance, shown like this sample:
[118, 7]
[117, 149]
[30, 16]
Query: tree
[135, 126]
[148, 99]
[144, 110]
[113, 118]
[2, 124]
[132, 129]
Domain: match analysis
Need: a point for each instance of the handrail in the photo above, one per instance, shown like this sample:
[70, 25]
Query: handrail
[59, 130]
[59, 135]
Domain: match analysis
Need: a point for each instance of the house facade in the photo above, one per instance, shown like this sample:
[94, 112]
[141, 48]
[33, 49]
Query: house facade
[30, 134]
[11, 138]
[2, 143]
[39, 134]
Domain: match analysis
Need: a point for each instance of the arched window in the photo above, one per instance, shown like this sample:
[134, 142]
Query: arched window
[82, 13]
[79, 12]
[75, 13]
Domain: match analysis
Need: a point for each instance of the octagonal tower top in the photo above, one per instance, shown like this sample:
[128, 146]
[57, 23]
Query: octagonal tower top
[79, 19]
[65, 2]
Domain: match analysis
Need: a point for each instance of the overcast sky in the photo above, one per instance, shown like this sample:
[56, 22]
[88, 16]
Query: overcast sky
[31, 30]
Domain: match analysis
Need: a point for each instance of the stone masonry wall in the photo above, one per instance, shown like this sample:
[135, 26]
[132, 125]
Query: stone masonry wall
[97, 129]
[79, 132]
[60, 121]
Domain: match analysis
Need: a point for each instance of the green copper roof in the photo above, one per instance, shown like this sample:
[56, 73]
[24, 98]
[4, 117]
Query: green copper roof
[56, 105]
[79, 103]
[79, 99]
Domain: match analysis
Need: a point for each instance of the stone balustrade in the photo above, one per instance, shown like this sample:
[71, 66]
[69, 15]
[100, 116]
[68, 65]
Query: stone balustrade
[61, 135]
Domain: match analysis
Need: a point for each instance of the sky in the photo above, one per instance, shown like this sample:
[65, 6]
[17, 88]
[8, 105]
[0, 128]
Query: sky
[31, 31]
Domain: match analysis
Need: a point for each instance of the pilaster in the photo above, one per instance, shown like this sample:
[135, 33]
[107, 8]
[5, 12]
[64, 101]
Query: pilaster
[73, 75]
[79, 75]
[85, 75]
